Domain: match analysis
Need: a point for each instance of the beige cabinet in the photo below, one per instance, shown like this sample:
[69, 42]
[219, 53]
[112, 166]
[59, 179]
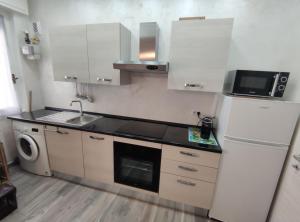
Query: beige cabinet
[86, 53]
[188, 176]
[199, 52]
[69, 53]
[192, 156]
[98, 157]
[65, 150]
[186, 190]
[107, 43]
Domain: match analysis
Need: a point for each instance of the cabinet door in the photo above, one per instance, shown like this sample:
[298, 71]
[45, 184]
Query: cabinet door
[246, 181]
[65, 150]
[69, 53]
[103, 50]
[286, 205]
[98, 157]
[263, 119]
[198, 54]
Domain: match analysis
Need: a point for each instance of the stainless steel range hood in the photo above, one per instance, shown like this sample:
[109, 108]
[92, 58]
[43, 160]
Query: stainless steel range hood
[148, 53]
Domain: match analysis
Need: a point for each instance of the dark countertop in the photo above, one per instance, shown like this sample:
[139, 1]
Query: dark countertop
[175, 134]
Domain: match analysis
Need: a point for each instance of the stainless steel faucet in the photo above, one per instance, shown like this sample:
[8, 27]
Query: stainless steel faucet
[78, 101]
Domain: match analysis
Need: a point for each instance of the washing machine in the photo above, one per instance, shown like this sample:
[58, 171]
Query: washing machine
[32, 149]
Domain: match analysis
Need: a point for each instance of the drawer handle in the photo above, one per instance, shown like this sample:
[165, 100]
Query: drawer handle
[192, 85]
[62, 132]
[187, 168]
[96, 138]
[56, 131]
[103, 80]
[186, 183]
[188, 154]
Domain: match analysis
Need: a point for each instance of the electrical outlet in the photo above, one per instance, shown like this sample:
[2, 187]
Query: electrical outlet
[196, 113]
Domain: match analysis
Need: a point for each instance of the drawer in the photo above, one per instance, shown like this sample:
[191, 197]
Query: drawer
[192, 156]
[188, 191]
[208, 174]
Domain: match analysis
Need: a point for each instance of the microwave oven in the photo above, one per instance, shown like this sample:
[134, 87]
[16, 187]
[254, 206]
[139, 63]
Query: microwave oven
[256, 83]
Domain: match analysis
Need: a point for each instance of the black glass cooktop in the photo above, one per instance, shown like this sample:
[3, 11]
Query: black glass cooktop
[138, 128]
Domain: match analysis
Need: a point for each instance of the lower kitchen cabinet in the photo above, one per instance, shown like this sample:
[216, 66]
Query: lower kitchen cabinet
[65, 150]
[185, 190]
[188, 176]
[98, 157]
[194, 171]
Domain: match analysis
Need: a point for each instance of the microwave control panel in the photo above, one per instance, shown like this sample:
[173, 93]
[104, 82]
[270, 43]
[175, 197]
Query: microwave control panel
[281, 84]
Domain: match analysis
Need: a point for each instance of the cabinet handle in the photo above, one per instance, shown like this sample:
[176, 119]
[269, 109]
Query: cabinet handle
[188, 154]
[297, 157]
[56, 131]
[70, 77]
[193, 85]
[103, 80]
[187, 168]
[62, 132]
[96, 138]
[186, 183]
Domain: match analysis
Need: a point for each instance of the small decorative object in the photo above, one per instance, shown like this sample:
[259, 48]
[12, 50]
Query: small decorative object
[206, 127]
[27, 39]
[31, 48]
[195, 137]
[31, 51]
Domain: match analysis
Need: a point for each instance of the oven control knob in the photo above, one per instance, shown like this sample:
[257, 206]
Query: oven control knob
[281, 87]
[283, 79]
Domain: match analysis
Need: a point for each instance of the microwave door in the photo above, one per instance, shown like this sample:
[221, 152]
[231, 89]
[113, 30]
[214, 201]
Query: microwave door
[255, 83]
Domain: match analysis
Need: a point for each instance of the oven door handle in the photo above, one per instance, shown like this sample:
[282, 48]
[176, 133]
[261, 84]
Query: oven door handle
[275, 84]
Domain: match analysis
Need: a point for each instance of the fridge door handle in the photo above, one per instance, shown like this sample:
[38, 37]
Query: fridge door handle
[275, 84]
[297, 157]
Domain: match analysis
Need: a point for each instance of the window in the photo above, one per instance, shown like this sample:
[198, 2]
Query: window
[8, 100]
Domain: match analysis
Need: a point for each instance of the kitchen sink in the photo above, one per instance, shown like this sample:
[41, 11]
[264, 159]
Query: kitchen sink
[70, 118]
[82, 120]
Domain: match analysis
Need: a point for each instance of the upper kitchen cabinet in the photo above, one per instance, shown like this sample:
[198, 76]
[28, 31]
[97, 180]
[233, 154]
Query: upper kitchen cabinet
[107, 43]
[198, 54]
[69, 53]
[15, 5]
[86, 53]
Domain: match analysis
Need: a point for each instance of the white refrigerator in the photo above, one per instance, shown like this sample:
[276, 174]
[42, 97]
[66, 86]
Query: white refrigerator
[255, 135]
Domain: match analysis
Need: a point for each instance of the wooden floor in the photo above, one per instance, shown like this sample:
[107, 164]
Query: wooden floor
[43, 199]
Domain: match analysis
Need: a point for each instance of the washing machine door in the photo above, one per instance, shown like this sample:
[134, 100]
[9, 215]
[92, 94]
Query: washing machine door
[27, 147]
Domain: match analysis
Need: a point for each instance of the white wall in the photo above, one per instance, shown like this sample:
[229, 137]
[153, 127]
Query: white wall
[26, 71]
[264, 37]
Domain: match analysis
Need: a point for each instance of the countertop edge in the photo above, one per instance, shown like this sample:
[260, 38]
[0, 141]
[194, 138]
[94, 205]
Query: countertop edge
[161, 141]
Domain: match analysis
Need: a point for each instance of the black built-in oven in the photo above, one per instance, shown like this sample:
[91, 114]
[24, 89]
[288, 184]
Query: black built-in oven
[137, 166]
